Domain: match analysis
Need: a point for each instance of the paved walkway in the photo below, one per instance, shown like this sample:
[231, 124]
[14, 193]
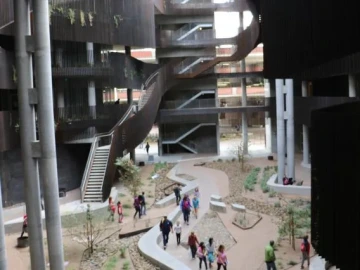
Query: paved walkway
[210, 182]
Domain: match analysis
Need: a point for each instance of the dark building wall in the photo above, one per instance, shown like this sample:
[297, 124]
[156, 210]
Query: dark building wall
[71, 161]
[298, 35]
[335, 186]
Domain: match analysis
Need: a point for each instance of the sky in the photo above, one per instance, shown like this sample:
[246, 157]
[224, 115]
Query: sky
[228, 23]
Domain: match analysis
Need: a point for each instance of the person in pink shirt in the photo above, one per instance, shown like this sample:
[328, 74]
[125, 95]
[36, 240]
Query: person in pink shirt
[221, 258]
[202, 253]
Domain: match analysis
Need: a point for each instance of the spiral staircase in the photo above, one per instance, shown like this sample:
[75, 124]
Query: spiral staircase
[133, 128]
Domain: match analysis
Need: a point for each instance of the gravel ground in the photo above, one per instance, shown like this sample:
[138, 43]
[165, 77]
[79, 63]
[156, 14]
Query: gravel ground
[112, 246]
[236, 182]
[162, 182]
[211, 225]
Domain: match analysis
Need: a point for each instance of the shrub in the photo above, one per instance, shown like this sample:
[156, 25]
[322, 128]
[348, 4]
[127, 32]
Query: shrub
[251, 179]
[130, 174]
[268, 171]
[272, 193]
[277, 204]
[126, 265]
[292, 263]
[123, 252]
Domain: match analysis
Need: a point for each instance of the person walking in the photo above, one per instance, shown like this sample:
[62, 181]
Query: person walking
[137, 206]
[210, 247]
[178, 230]
[185, 206]
[202, 254]
[195, 203]
[192, 241]
[166, 227]
[143, 204]
[270, 256]
[197, 193]
[177, 190]
[305, 250]
[120, 211]
[24, 226]
[111, 209]
[147, 147]
[221, 258]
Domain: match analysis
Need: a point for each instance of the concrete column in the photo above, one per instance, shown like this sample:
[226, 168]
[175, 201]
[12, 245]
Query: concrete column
[267, 118]
[91, 84]
[290, 137]
[90, 53]
[92, 99]
[217, 123]
[130, 100]
[306, 150]
[59, 57]
[28, 134]
[280, 126]
[352, 86]
[244, 124]
[3, 261]
[60, 98]
[48, 161]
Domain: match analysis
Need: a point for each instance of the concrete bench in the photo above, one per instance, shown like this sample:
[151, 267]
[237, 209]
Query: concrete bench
[238, 207]
[216, 198]
[218, 206]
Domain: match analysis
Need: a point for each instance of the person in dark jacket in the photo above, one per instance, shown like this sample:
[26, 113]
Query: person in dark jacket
[166, 227]
[177, 190]
[147, 147]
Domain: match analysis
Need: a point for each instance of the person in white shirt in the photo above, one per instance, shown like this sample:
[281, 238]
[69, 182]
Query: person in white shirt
[177, 230]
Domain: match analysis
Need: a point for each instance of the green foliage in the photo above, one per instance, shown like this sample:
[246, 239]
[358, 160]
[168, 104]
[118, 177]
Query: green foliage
[267, 172]
[272, 193]
[292, 263]
[71, 15]
[296, 222]
[82, 18]
[123, 252]
[220, 160]
[117, 20]
[277, 204]
[111, 263]
[91, 18]
[126, 265]
[126, 206]
[159, 166]
[251, 179]
[130, 174]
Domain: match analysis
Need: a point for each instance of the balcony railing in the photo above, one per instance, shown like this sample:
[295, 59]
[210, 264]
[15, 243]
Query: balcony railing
[82, 113]
[197, 103]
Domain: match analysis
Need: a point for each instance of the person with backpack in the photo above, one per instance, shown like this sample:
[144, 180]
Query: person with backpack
[166, 227]
[192, 241]
[185, 206]
[305, 250]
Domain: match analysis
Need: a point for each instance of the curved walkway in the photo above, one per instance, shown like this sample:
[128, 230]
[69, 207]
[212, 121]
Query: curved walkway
[176, 257]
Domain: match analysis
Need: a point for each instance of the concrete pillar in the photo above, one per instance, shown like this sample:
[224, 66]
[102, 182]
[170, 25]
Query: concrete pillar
[306, 150]
[59, 57]
[290, 134]
[130, 100]
[48, 160]
[352, 86]
[280, 126]
[24, 69]
[267, 118]
[217, 123]
[92, 99]
[91, 84]
[244, 124]
[60, 101]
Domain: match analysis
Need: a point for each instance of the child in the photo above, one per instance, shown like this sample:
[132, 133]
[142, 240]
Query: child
[24, 227]
[111, 209]
[197, 193]
[210, 247]
[120, 211]
[201, 253]
[221, 258]
[195, 203]
[177, 230]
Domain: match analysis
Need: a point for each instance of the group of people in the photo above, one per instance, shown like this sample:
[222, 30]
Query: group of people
[205, 252]
[112, 209]
[270, 257]
[186, 204]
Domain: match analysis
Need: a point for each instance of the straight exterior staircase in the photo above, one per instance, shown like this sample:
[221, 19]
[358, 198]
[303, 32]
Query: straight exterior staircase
[180, 138]
[93, 192]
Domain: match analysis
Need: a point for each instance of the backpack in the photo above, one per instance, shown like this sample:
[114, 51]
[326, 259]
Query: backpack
[186, 205]
[303, 247]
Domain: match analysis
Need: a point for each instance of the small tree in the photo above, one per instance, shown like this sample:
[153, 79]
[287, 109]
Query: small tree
[239, 152]
[130, 174]
[86, 231]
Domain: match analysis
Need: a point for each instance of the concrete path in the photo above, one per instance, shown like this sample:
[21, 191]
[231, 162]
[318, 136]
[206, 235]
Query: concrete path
[210, 182]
